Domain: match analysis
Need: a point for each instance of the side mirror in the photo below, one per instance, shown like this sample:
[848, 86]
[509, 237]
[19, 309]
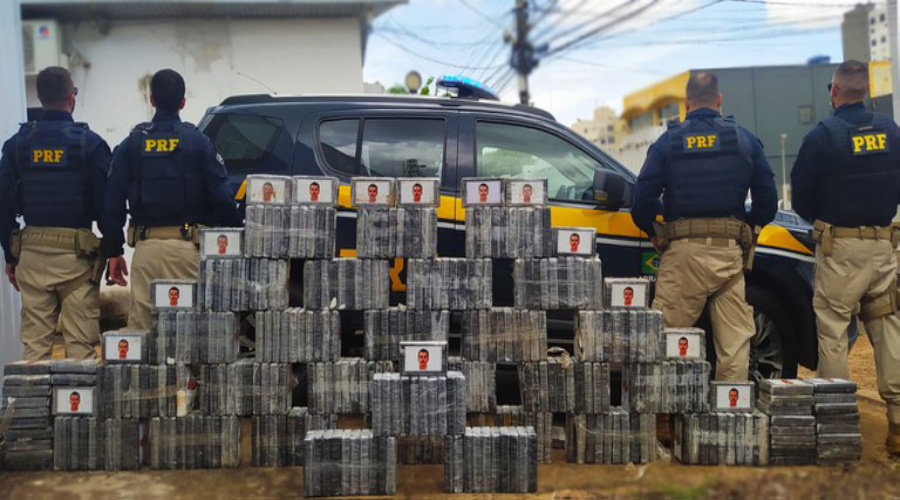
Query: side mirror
[611, 190]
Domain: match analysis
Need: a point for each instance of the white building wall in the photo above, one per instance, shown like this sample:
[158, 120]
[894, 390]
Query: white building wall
[112, 69]
[632, 150]
[12, 100]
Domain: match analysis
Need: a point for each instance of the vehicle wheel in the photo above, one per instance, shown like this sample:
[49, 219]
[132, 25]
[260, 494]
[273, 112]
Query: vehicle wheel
[770, 354]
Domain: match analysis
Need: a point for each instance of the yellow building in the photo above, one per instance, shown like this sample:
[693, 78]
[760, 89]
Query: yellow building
[653, 106]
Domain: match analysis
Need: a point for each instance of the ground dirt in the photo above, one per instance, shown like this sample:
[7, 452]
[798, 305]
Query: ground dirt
[876, 477]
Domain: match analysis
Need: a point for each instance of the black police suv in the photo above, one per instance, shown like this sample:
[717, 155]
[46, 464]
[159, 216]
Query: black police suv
[453, 138]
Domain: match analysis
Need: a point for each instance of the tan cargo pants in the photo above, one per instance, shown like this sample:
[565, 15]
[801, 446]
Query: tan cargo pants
[855, 269]
[692, 273]
[43, 274]
[154, 260]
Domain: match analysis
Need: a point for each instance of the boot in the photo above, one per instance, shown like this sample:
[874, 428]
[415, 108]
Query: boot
[893, 440]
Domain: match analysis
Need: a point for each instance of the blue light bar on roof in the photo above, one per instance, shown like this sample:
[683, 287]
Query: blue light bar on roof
[467, 87]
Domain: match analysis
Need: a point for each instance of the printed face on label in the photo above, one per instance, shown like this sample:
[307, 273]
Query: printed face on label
[167, 295]
[368, 192]
[77, 400]
[573, 241]
[266, 191]
[484, 192]
[526, 192]
[123, 349]
[731, 397]
[416, 192]
[628, 295]
[222, 244]
[419, 358]
[683, 345]
[313, 191]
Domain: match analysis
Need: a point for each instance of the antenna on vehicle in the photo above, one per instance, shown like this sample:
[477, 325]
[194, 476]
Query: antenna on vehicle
[270, 89]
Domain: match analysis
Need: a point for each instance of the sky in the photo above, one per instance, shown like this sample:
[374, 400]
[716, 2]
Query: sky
[624, 45]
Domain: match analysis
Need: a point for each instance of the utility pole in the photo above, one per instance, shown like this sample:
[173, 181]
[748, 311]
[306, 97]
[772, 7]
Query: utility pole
[785, 185]
[522, 58]
[12, 102]
[894, 30]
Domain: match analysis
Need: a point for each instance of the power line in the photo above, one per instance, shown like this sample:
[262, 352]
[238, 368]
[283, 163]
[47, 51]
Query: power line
[584, 39]
[480, 13]
[587, 23]
[586, 36]
[428, 58]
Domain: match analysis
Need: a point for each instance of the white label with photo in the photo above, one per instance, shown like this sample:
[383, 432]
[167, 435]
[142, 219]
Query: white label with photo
[683, 345]
[733, 397]
[122, 347]
[526, 192]
[266, 191]
[222, 243]
[423, 358]
[168, 296]
[414, 192]
[628, 295]
[575, 242]
[370, 192]
[74, 400]
[314, 191]
[484, 192]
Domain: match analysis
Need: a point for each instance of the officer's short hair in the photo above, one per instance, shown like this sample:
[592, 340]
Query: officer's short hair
[167, 89]
[703, 87]
[54, 85]
[852, 79]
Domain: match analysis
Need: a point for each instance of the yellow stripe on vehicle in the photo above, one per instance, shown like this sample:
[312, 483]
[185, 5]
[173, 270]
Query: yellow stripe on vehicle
[779, 237]
[242, 191]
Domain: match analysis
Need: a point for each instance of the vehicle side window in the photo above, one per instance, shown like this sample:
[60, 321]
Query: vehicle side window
[504, 150]
[403, 147]
[391, 147]
[243, 141]
[338, 139]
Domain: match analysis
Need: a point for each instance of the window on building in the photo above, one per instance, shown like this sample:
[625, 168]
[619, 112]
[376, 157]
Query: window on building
[668, 112]
[881, 18]
[884, 39]
[391, 147]
[610, 128]
[641, 121]
[523, 152]
[872, 21]
[874, 43]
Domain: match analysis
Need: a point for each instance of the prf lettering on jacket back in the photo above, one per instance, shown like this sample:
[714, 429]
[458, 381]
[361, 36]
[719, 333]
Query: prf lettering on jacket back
[701, 143]
[870, 143]
[160, 145]
[48, 157]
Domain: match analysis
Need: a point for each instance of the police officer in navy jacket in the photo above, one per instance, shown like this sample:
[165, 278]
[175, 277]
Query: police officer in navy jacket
[174, 182]
[696, 177]
[53, 173]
